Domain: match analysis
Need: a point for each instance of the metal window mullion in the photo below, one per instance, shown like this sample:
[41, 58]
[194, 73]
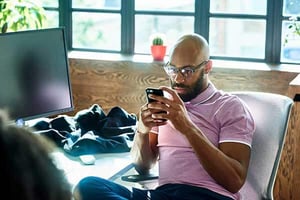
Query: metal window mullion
[201, 23]
[168, 13]
[127, 27]
[278, 26]
[273, 37]
[65, 20]
[237, 16]
[93, 10]
[51, 8]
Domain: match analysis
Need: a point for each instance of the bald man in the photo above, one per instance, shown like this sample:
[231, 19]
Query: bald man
[199, 135]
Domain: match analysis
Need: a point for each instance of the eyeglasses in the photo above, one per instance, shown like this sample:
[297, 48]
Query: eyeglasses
[185, 71]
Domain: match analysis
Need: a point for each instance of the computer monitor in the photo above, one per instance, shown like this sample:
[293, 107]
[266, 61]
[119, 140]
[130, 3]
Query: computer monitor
[34, 74]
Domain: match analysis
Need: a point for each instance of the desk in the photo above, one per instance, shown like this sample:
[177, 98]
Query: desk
[108, 165]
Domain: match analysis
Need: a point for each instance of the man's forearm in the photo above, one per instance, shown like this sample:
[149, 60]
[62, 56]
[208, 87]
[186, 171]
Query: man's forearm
[143, 156]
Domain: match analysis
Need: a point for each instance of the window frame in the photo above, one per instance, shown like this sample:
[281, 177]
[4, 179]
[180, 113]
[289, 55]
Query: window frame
[202, 15]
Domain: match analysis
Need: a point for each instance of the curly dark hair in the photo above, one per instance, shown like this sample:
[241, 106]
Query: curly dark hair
[27, 170]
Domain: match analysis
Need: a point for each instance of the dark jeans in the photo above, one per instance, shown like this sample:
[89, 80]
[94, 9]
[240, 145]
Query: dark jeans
[92, 188]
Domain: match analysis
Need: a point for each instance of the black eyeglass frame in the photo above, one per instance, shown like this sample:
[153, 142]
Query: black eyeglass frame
[180, 70]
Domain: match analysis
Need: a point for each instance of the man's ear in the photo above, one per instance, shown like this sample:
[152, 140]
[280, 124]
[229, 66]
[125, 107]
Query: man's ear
[208, 67]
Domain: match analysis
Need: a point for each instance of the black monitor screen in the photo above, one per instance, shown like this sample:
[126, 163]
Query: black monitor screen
[34, 74]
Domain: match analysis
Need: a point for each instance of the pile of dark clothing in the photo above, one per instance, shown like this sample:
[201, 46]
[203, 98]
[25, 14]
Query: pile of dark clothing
[91, 131]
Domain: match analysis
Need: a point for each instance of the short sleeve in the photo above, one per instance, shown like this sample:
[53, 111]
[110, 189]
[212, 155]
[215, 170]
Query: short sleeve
[236, 122]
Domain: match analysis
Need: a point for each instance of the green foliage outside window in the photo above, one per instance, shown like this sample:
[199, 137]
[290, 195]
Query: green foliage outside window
[294, 29]
[18, 15]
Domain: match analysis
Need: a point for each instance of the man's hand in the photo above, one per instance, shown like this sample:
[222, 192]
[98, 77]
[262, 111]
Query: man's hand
[174, 110]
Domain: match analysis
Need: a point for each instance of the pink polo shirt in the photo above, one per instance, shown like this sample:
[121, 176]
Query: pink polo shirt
[222, 118]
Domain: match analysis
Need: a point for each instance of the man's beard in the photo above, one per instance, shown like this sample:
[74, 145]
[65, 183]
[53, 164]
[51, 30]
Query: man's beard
[192, 90]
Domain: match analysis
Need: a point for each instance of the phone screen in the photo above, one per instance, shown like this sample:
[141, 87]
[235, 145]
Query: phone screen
[155, 91]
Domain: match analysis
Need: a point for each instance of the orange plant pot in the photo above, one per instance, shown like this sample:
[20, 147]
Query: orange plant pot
[158, 52]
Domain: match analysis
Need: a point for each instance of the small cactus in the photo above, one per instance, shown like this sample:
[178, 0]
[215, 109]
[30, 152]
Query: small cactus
[157, 41]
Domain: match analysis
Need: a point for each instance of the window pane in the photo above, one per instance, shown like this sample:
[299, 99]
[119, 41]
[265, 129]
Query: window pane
[52, 19]
[146, 25]
[99, 4]
[290, 51]
[239, 7]
[291, 7]
[237, 38]
[94, 30]
[50, 3]
[170, 5]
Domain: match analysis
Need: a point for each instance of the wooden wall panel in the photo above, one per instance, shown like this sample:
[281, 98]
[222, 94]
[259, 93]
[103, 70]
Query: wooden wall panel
[122, 83]
[113, 83]
[110, 83]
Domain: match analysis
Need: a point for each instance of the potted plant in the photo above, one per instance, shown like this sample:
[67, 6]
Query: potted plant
[158, 47]
[21, 15]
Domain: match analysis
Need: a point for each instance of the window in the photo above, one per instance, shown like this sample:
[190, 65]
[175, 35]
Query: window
[52, 13]
[249, 30]
[96, 25]
[238, 22]
[173, 18]
[290, 51]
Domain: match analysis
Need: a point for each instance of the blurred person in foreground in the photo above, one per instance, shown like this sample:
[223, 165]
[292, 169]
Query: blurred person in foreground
[200, 136]
[27, 170]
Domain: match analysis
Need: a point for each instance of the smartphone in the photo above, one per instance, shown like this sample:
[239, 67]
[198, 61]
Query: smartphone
[154, 91]
[138, 177]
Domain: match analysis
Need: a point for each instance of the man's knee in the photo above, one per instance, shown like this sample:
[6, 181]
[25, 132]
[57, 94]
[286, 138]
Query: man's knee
[86, 187]
[94, 187]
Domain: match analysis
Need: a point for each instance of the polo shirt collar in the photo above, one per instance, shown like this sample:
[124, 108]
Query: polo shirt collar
[203, 96]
